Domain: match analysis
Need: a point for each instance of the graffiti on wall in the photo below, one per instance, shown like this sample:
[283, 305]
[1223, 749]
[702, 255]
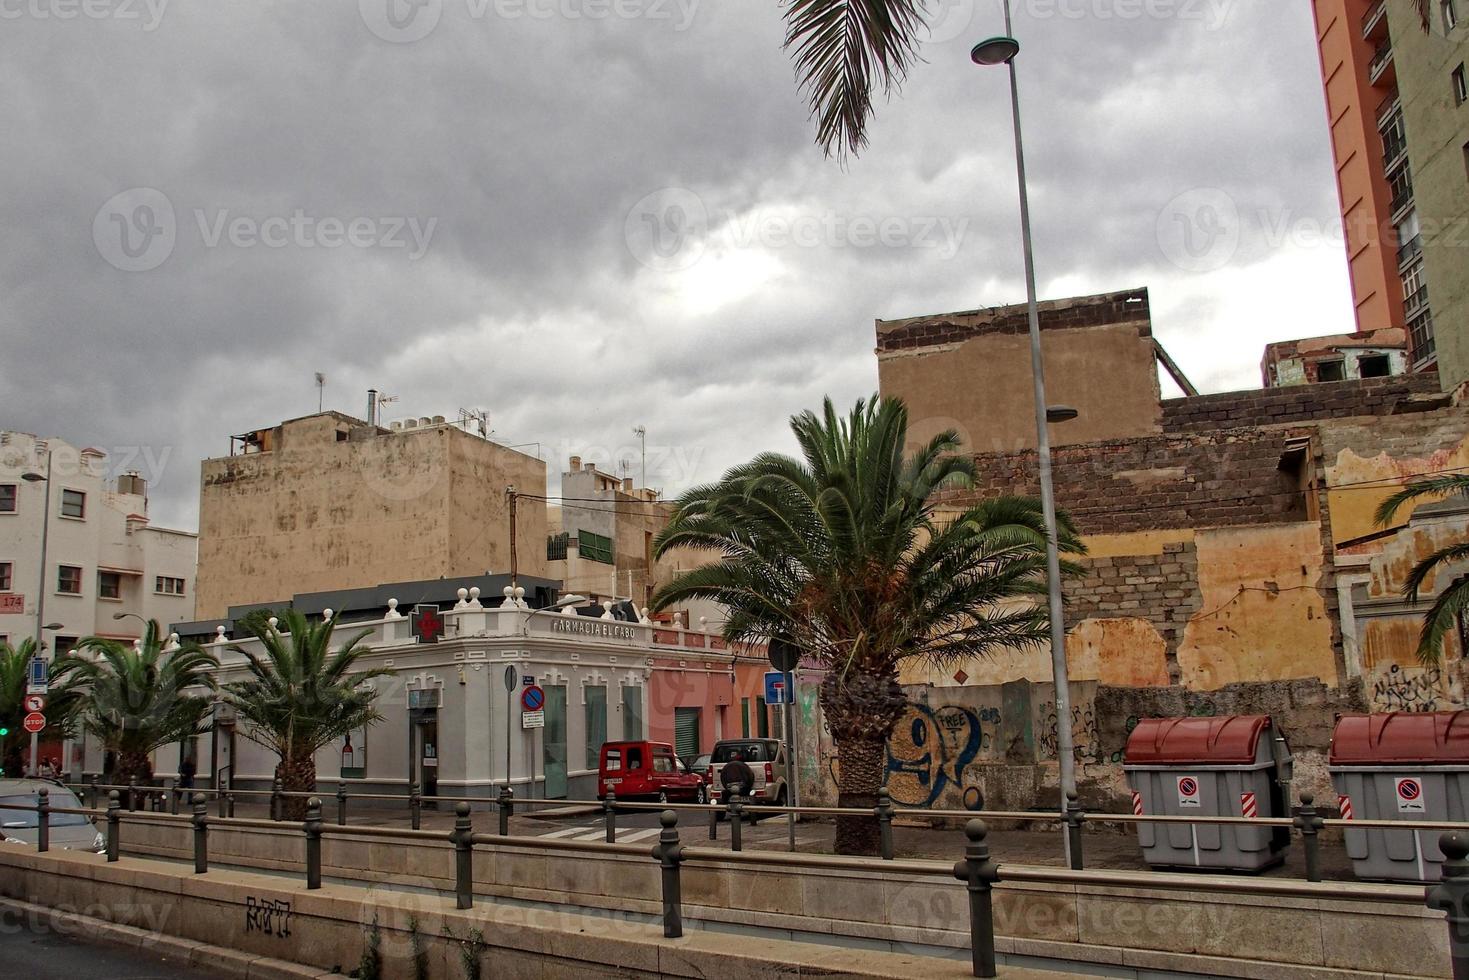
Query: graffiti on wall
[1086, 736]
[931, 750]
[1403, 690]
[270, 917]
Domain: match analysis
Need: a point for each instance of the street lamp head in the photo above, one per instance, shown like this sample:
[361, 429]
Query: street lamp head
[1061, 413]
[995, 51]
[33, 477]
[54, 626]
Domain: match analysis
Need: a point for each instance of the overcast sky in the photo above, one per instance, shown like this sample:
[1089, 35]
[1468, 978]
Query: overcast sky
[586, 215]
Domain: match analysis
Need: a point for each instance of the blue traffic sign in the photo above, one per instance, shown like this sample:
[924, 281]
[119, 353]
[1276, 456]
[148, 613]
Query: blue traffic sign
[532, 699]
[775, 687]
[38, 681]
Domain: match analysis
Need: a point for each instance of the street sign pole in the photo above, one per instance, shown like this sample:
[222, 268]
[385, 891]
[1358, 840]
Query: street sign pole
[510, 675]
[790, 706]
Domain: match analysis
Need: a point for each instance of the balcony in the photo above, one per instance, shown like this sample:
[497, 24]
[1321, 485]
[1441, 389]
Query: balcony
[1382, 73]
[1374, 21]
[1417, 303]
[1420, 340]
[1409, 251]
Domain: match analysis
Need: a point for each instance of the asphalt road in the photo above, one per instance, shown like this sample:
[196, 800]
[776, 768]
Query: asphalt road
[35, 951]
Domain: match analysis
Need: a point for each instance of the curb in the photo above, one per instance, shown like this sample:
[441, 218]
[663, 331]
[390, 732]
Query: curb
[212, 959]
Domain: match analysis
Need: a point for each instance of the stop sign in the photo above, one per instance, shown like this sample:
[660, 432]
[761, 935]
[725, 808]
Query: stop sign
[35, 721]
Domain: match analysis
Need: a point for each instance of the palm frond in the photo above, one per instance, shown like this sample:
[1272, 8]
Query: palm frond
[1433, 486]
[845, 50]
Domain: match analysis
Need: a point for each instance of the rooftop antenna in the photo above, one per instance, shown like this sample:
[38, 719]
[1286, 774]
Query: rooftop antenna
[320, 390]
[383, 399]
[642, 433]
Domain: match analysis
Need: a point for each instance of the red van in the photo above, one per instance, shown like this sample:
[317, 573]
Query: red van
[647, 770]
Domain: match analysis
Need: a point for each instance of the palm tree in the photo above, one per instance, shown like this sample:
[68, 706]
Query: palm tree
[1448, 609]
[61, 706]
[843, 50]
[300, 697]
[845, 554]
[136, 699]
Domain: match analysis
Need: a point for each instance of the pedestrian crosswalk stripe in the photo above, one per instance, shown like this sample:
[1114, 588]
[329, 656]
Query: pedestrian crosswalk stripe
[637, 835]
[564, 832]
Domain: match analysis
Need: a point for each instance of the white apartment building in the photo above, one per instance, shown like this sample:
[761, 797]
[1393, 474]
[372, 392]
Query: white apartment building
[102, 555]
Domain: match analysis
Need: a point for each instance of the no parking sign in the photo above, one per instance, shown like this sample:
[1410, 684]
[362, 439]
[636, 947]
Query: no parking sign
[1188, 791]
[1410, 795]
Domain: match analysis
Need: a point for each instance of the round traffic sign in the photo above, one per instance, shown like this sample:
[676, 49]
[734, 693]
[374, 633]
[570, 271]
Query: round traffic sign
[1188, 786]
[35, 702]
[533, 698]
[1409, 789]
[34, 722]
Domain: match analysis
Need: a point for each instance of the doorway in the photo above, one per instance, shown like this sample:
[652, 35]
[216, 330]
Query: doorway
[553, 742]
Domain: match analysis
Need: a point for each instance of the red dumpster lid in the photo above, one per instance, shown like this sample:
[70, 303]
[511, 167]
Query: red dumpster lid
[1226, 740]
[1402, 736]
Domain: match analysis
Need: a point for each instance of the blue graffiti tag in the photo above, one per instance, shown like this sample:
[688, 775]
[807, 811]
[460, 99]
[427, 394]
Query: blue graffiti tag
[939, 744]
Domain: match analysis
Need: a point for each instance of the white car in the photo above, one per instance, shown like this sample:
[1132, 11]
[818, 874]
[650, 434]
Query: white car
[69, 831]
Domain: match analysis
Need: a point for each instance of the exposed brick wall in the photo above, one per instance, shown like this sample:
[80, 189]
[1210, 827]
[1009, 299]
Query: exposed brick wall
[1216, 479]
[1294, 404]
[1162, 589]
[950, 328]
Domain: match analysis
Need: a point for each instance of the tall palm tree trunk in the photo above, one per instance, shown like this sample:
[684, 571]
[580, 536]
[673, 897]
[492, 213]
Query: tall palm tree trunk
[861, 711]
[132, 763]
[297, 773]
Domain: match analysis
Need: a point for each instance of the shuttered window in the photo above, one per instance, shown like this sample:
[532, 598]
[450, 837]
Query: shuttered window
[762, 719]
[686, 732]
[596, 723]
[744, 717]
[594, 547]
[632, 713]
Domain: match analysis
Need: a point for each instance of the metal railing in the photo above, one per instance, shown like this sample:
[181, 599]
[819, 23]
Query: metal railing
[976, 868]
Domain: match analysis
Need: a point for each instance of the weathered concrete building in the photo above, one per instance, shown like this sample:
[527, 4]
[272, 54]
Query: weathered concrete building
[1234, 562]
[330, 502]
[602, 533]
[1343, 357]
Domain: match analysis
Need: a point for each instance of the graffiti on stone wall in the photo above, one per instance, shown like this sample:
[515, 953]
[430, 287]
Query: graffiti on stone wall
[1117, 757]
[931, 750]
[270, 917]
[1086, 736]
[1402, 690]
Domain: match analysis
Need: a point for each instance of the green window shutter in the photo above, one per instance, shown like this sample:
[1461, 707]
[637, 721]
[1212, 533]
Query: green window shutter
[686, 732]
[596, 724]
[632, 713]
[762, 718]
[744, 717]
[594, 547]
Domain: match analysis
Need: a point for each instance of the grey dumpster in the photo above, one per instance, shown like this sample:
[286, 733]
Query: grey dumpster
[1220, 767]
[1400, 766]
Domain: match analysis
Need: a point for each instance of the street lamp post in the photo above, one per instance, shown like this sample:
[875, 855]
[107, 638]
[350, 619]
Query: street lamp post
[1002, 51]
[41, 586]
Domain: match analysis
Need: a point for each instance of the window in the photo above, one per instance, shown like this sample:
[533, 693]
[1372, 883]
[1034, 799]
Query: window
[1461, 86]
[7, 576]
[744, 717]
[662, 760]
[69, 580]
[1450, 15]
[634, 758]
[7, 498]
[164, 585]
[109, 585]
[1374, 366]
[1331, 371]
[596, 706]
[594, 547]
[73, 504]
[632, 712]
[762, 718]
[613, 762]
[556, 546]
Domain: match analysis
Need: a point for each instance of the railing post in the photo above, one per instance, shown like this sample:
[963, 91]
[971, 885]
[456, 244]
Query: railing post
[276, 800]
[174, 794]
[201, 833]
[132, 794]
[222, 790]
[463, 837]
[979, 873]
[1074, 819]
[609, 815]
[1309, 823]
[43, 819]
[415, 806]
[312, 826]
[713, 823]
[736, 821]
[230, 800]
[884, 812]
[342, 803]
[507, 807]
[669, 853]
[1451, 895]
[92, 794]
[114, 823]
